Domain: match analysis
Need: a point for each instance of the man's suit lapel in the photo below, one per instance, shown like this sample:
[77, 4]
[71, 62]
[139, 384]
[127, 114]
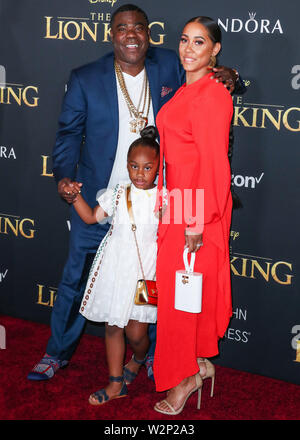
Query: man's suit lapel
[108, 80]
[153, 77]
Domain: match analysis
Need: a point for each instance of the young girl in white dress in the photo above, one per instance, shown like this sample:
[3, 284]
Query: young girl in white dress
[110, 290]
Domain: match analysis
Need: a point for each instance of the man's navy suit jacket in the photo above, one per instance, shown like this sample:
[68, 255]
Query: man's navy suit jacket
[90, 112]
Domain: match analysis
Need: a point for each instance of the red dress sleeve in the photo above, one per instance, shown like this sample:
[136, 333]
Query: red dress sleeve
[211, 115]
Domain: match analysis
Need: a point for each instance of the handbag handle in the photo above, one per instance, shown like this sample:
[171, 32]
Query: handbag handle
[133, 226]
[189, 267]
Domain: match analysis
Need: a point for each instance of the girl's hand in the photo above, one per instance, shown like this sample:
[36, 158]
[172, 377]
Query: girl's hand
[71, 191]
[193, 241]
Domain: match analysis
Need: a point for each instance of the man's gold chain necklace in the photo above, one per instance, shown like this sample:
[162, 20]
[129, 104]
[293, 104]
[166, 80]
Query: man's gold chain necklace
[139, 119]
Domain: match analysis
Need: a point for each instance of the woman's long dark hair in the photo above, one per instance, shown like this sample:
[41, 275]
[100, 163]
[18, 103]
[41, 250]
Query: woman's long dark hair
[236, 201]
[213, 29]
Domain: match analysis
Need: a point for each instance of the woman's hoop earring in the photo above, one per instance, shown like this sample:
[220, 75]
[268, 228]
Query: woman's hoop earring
[213, 61]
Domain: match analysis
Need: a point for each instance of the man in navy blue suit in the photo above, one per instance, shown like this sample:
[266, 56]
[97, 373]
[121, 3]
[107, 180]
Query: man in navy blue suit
[89, 149]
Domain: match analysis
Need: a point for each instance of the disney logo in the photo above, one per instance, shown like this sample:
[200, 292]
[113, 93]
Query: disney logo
[112, 2]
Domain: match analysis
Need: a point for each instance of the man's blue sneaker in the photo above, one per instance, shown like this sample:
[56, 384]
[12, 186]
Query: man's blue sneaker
[46, 368]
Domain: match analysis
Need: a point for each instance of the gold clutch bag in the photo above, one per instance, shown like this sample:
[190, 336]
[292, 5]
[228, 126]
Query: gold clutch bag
[146, 293]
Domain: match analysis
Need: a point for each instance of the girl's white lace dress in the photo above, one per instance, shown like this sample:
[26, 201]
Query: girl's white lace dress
[109, 293]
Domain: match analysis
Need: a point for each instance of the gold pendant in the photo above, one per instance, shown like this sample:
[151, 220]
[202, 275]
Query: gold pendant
[141, 122]
[133, 125]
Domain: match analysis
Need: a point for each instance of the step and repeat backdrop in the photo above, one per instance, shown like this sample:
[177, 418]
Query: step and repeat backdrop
[41, 41]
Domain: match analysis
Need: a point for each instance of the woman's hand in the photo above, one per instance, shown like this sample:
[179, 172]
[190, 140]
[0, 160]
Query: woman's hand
[193, 241]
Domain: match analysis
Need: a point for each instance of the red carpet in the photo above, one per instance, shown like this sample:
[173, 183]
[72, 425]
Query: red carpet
[238, 395]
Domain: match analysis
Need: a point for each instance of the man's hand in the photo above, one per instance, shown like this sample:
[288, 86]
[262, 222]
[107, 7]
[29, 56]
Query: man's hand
[68, 190]
[225, 75]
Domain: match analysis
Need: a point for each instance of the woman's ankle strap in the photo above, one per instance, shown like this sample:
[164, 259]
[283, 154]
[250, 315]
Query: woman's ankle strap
[138, 361]
[116, 378]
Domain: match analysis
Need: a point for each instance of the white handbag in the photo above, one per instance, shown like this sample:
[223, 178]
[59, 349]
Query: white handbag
[188, 286]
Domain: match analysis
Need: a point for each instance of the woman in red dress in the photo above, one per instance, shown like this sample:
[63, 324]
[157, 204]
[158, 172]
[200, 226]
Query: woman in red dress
[194, 133]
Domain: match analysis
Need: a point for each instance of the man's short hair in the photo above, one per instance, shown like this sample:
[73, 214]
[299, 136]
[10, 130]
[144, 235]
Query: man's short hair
[126, 8]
